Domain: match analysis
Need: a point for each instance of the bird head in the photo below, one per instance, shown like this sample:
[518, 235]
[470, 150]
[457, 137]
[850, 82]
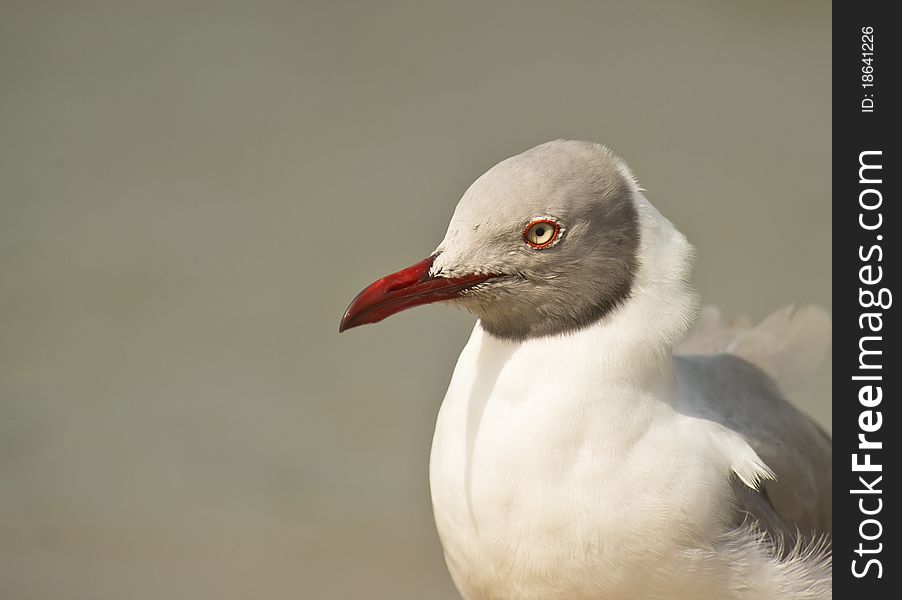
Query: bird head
[545, 242]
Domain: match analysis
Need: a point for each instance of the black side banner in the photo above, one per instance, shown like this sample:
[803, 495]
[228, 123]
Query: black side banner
[867, 374]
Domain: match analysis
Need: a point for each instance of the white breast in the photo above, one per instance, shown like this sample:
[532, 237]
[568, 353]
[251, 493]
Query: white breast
[554, 479]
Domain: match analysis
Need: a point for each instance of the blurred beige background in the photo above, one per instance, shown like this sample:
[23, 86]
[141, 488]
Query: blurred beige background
[192, 192]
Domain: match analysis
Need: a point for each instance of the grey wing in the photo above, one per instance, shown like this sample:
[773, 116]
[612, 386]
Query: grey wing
[733, 392]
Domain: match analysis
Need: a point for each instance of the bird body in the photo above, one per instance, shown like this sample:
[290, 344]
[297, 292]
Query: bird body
[576, 453]
[564, 467]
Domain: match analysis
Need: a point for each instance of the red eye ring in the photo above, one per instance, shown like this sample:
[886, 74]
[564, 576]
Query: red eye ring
[537, 241]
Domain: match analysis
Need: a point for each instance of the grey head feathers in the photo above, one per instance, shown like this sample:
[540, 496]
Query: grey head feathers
[587, 270]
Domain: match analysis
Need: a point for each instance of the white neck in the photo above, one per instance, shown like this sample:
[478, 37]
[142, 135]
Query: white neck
[662, 305]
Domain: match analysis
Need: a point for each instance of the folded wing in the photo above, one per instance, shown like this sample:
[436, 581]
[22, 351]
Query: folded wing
[734, 374]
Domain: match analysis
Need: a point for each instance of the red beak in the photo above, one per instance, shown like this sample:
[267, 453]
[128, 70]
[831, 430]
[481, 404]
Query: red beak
[405, 289]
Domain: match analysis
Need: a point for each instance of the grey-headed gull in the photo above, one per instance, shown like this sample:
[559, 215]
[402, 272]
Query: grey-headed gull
[593, 443]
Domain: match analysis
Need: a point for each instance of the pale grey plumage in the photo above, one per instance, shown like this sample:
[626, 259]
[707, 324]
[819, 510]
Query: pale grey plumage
[566, 287]
[730, 391]
[751, 367]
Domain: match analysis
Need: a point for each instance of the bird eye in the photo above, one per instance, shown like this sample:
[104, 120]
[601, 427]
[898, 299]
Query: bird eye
[541, 233]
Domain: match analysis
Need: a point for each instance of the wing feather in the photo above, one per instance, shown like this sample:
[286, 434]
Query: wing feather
[729, 373]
